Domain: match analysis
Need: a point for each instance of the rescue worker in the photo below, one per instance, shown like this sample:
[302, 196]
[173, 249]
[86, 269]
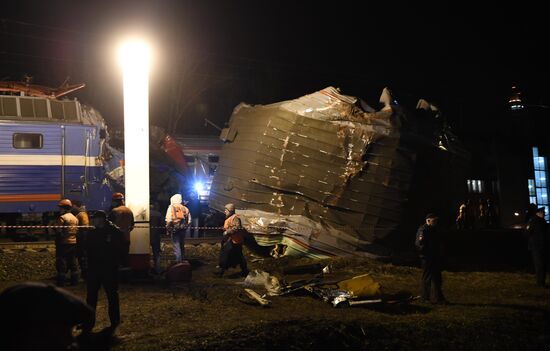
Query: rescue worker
[538, 243]
[123, 218]
[231, 253]
[65, 244]
[79, 211]
[177, 220]
[429, 245]
[105, 247]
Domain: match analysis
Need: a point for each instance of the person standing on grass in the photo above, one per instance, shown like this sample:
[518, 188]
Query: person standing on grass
[538, 243]
[105, 247]
[177, 219]
[429, 245]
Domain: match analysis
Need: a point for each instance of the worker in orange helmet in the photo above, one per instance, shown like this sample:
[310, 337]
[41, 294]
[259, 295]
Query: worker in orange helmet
[231, 253]
[123, 218]
[65, 243]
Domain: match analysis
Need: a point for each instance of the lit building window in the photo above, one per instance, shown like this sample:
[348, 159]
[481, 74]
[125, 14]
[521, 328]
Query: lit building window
[475, 186]
[538, 187]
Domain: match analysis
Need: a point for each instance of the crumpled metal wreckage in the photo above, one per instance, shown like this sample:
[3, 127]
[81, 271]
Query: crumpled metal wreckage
[326, 175]
[358, 290]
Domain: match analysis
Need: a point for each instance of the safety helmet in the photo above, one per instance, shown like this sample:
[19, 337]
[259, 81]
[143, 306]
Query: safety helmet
[230, 207]
[65, 203]
[118, 196]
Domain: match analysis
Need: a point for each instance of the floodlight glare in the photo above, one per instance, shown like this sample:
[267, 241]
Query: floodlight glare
[134, 58]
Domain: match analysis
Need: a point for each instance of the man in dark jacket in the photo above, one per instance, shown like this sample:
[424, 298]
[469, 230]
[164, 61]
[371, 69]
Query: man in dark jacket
[429, 246]
[105, 249]
[538, 243]
[38, 316]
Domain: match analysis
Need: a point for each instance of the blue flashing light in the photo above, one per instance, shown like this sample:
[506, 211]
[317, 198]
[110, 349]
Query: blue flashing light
[199, 187]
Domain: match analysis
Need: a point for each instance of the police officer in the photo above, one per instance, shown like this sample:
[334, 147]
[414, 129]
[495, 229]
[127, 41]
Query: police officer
[65, 244]
[429, 245]
[538, 243]
[79, 211]
[231, 253]
[106, 249]
[122, 217]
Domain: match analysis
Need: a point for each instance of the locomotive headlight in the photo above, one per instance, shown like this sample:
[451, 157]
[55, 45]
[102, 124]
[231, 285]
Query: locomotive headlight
[134, 57]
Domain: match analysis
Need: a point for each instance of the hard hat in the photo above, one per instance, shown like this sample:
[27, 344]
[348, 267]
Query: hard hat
[230, 207]
[65, 203]
[118, 196]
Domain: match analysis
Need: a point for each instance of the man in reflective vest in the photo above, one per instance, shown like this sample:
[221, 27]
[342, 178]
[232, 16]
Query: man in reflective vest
[65, 244]
[177, 219]
[231, 253]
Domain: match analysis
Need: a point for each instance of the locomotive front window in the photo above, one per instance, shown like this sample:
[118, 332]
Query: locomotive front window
[27, 141]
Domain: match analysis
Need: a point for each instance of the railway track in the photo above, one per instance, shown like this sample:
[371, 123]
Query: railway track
[38, 246]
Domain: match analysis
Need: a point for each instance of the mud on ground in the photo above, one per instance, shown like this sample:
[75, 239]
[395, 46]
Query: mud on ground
[490, 310]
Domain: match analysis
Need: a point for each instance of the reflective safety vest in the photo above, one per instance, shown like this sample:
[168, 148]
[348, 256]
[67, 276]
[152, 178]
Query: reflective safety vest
[237, 235]
[180, 213]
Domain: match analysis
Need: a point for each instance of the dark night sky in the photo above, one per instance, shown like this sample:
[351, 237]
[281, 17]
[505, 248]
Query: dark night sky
[462, 57]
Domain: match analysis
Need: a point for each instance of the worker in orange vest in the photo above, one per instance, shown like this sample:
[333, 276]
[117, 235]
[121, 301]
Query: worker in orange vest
[65, 244]
[123, 218]
[231, 253]
[177, 218]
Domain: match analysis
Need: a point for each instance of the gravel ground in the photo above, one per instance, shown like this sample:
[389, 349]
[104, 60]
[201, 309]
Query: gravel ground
[489, 310]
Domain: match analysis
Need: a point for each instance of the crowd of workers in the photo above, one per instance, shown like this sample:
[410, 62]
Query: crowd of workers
[100, 245]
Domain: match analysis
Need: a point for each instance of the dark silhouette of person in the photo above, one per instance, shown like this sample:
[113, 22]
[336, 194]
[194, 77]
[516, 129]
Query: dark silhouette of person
[538, 243]
[38, 316]
[157, 228]
[429, 245]
[79, 211]
[106, 249]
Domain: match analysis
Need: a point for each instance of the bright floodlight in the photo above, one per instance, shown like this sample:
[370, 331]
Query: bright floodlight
[198, 187]
[134, 56]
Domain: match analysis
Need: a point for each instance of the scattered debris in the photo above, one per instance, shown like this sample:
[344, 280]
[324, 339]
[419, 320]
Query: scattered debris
[254, 295]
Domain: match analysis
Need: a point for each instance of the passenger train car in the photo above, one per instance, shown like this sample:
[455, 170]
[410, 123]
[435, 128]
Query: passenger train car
[49, 149]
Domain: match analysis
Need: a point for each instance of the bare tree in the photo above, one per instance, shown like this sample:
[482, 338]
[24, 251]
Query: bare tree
[186, 87]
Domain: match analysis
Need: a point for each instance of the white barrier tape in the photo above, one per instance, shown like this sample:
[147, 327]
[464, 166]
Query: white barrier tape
[91, 227]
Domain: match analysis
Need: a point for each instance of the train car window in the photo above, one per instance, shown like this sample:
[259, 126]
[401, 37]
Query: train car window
[189, 159]
[213, 159]
[27, 141]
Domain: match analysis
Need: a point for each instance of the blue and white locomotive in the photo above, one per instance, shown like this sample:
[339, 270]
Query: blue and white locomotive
[50, 149]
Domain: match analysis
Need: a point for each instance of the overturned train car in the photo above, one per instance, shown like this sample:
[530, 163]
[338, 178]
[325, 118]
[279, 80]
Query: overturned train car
[323, 177]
